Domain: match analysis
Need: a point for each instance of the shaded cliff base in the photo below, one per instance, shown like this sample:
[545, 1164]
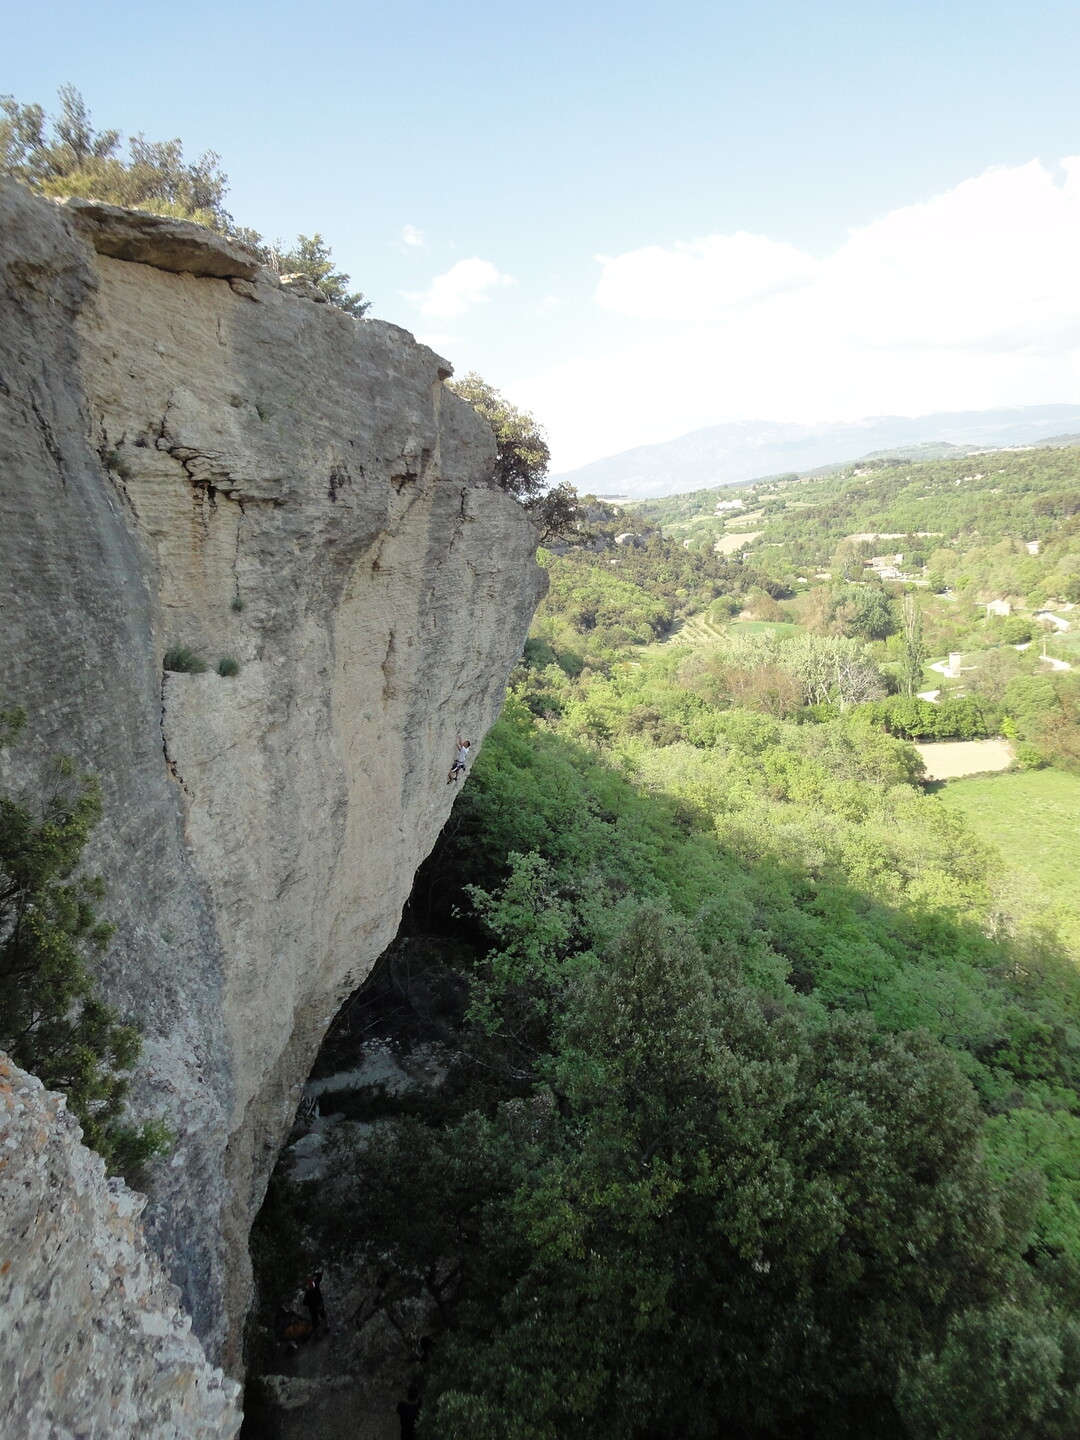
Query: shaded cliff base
[387, 1054]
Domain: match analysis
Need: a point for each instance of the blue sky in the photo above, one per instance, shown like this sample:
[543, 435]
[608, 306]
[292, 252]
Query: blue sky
[640, 218]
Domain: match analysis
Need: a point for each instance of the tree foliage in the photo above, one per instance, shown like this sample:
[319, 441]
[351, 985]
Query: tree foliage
[522, 453]
[915, 652]
[311, 257]
[522, 457]
[65, 155]
[721, 1213]
[51, 1021]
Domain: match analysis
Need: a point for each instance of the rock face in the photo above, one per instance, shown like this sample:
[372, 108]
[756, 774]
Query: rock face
[83, 1297]
[199, 458]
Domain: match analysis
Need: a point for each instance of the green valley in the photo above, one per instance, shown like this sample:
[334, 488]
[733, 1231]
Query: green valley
[761, 1108]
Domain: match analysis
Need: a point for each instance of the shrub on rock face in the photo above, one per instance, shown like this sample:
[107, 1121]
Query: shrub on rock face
[183, 659]
[522, 457]
[51, 1021]
[228, 666]
[522, 450]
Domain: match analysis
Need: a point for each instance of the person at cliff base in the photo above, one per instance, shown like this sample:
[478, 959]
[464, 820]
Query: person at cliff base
[461, 759]
[315, 1304]
[408, 1409]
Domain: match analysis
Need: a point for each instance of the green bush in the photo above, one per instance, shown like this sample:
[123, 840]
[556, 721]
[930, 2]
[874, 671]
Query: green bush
[1016, 631]
[723, 608]
[51, 1021]
[183, 659]
[1029, 758]
[228, 666]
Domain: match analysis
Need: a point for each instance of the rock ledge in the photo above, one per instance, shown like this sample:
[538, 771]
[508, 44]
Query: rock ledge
[158, 240]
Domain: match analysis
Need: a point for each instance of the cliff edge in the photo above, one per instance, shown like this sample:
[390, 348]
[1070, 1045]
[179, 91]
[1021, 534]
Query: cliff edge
[192, 455]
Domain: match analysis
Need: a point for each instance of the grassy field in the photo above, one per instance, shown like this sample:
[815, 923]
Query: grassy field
[1033, 816]
[758, 627]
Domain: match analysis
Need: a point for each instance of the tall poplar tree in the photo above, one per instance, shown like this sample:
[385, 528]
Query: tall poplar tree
[915, 652]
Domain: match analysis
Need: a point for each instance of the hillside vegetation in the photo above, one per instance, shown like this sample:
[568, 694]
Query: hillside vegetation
[763, 1112]
[965, 523]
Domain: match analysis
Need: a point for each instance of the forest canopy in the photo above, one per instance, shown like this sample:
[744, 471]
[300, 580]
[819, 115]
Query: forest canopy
[763, 1115]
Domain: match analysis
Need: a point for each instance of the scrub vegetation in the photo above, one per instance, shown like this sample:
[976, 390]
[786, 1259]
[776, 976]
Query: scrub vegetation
[52, 1021]
[63, 154]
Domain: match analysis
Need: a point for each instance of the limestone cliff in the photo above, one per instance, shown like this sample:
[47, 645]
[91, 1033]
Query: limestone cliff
[193, 455]
[83, 1298]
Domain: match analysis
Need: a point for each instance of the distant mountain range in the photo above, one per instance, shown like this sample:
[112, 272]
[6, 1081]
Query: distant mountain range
[753, 450]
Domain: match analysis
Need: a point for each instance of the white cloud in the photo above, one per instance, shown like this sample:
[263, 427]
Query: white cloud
[705, 277]
[969, 300]
[465, 284]
[411, 236]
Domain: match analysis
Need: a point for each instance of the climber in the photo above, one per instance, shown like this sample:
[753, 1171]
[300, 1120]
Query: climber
[315, 1305]
[461, 759]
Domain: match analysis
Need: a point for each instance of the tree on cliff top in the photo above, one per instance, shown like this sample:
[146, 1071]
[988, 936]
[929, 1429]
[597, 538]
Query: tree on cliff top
[64, 155]
[522, 457]
[311, 256]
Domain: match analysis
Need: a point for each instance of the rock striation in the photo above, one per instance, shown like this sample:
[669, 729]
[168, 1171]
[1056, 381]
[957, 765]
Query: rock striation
[194, 456]
[82, 1296]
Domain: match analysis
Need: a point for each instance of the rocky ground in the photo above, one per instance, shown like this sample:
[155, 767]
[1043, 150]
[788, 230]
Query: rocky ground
[343, 1386]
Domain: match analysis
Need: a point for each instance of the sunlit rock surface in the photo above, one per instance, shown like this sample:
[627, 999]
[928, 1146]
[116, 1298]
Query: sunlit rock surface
[208, 460]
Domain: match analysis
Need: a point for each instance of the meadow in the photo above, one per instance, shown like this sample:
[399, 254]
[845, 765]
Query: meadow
[1033, 817]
